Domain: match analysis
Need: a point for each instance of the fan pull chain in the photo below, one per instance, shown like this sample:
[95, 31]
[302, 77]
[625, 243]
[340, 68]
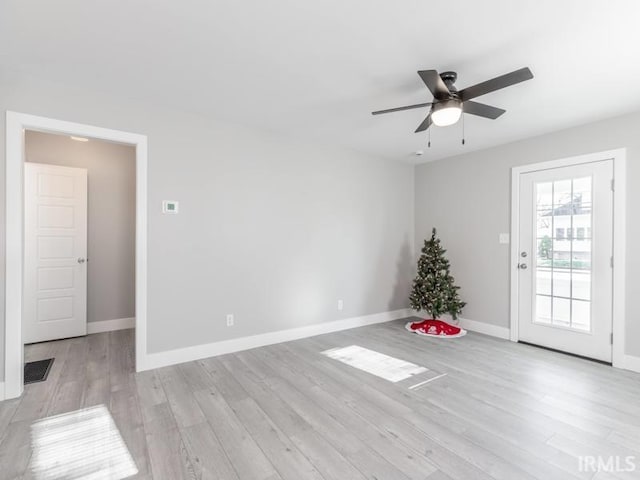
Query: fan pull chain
[429, 143]
[463, 129]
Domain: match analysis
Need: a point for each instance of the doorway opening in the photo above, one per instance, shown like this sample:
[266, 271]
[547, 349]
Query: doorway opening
[79, 205]
[567, 256]
[46, 211]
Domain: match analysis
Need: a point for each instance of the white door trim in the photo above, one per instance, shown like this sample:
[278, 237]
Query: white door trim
[16, 124]
[619, 157]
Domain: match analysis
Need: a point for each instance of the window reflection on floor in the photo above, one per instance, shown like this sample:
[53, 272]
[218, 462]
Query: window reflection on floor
[376, 363]
[80, 444]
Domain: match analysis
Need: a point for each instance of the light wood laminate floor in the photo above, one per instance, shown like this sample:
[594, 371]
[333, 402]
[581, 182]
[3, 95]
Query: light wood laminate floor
[502, 411]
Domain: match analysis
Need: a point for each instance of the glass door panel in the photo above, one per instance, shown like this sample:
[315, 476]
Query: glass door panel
[563, 226]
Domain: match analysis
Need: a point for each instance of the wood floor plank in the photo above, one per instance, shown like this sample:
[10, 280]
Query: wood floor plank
[402, 444]
[501, 432]
[180, 396]
[98, 380]
[8, 409]
[329, 462]
[168, 455]
[279, 412]
[121, 358]
[567, 417]
[125, 410]
[290, 463]
[411, 438]
[15, 449]
[206, 453]
[358, 452]
[502, 411]
[150, 392]
[557, 458]
[238, 442]
[67, 397]
[627, 439]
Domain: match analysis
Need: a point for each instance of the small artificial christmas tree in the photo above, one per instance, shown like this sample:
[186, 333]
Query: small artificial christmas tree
[433, 288]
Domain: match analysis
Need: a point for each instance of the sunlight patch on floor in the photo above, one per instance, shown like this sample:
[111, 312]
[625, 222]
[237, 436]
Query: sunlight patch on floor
[376, 363]
[80, 444]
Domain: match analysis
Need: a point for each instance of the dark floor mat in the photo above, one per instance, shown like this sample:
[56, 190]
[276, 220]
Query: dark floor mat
[37, 371]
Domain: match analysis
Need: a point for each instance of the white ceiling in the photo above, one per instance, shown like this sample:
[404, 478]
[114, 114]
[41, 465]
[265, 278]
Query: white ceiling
[316, 69]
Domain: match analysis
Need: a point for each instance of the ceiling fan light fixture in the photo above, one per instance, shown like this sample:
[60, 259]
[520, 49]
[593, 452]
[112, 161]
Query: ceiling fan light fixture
[446, 112]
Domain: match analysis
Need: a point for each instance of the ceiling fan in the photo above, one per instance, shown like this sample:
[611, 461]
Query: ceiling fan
[449, 102]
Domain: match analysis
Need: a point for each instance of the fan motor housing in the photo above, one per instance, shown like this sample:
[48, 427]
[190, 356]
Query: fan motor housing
[449, 78]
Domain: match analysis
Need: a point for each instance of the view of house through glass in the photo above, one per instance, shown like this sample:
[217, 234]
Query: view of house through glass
[563, 260]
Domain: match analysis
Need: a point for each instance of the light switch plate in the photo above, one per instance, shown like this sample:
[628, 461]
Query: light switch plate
[504, 238]
[169, 206]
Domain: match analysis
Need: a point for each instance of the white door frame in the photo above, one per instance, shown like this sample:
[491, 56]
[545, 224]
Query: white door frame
[619, 158]
[16, 124]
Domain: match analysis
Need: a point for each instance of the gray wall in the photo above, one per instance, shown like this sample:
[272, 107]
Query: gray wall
[112, 216]
[270, 229]
[468, 199]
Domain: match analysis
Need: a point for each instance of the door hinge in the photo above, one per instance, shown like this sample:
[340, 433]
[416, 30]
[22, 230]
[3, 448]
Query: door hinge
[611, 261]
[611, 338]
[613, 185]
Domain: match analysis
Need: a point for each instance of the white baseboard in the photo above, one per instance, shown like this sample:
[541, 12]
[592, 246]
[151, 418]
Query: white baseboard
[486, 328]
[181, 355]
[630, 362]
[473, 325]
[110, 325]
[1, 391]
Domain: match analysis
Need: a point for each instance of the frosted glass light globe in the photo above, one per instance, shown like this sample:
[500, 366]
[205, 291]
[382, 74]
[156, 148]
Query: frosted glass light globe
[446, 112]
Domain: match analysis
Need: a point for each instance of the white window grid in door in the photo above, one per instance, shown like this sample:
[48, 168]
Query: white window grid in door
[563, 253]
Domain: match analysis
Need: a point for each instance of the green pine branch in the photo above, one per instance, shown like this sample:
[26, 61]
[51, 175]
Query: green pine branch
[434, 288]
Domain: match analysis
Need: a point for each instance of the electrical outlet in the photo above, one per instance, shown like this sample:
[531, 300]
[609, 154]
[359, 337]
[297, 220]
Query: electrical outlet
[230, 320]
[340, 304]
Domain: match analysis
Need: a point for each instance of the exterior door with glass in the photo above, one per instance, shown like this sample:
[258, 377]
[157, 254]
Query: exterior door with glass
[565, 259]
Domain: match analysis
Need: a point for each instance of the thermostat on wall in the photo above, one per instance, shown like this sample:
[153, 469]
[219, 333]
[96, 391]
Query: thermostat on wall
[169, 206]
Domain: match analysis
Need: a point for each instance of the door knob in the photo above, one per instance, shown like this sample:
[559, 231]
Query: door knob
[522, 266]
[81, 260]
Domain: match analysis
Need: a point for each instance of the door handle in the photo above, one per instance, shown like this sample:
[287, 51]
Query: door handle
[522, 266]
[81, 260]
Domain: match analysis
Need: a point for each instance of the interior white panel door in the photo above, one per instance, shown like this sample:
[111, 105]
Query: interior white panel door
[55, 251]
[565, 264]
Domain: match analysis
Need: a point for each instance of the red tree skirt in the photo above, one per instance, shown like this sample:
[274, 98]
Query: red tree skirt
[435, 328]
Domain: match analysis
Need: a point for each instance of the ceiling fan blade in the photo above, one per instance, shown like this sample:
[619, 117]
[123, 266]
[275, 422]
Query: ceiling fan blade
[482, 110]
[426, 123]
[399, 109]
[434, 83]
[495, 84]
